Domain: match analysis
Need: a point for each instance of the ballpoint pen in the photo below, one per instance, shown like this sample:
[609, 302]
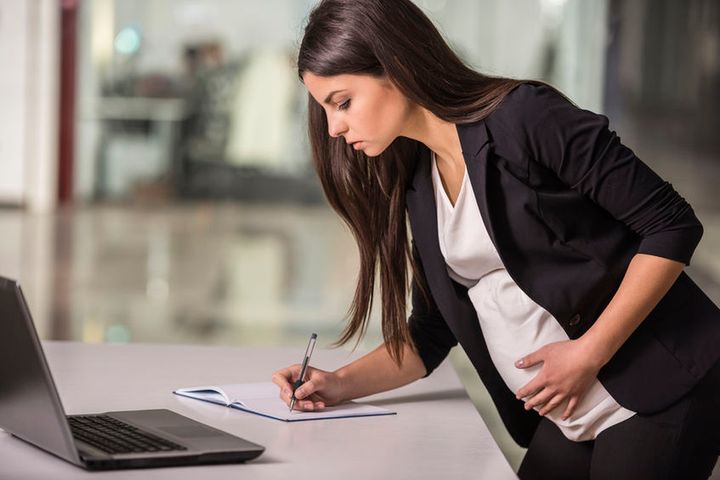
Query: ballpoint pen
[300, 381]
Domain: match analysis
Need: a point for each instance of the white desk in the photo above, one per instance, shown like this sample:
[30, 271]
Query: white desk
[437, 433]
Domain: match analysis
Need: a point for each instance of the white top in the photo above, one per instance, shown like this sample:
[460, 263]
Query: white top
[513, 324]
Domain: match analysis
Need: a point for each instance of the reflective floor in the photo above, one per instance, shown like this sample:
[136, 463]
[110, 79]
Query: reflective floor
[210, 274]
[239, 274]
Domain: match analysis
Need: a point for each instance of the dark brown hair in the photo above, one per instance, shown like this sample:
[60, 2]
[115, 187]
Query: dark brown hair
[390, 38]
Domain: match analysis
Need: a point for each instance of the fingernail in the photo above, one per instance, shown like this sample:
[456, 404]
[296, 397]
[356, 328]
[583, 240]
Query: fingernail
[299, 393]
[519, 363]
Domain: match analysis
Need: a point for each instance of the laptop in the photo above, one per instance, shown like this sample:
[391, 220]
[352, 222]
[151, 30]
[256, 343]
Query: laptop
[30, 409]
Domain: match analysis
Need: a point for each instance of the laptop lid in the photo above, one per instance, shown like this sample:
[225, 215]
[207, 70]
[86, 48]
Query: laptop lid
[30, 407]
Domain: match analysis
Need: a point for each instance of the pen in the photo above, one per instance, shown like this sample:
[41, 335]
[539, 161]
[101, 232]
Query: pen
[300, 381]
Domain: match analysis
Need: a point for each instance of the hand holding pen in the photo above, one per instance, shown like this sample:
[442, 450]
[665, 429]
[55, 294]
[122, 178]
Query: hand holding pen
[305, 388]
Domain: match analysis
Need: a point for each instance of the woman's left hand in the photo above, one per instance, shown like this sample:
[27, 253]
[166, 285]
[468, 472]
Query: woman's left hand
[569, 368]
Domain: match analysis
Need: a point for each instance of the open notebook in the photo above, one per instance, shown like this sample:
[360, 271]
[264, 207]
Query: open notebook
[263, 399]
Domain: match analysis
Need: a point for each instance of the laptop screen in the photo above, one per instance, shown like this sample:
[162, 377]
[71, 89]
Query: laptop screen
[30, 407]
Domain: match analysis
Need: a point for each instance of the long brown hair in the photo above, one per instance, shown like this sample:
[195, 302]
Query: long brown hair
[396, 39]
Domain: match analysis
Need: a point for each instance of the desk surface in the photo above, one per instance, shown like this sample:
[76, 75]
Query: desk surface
[437, 432]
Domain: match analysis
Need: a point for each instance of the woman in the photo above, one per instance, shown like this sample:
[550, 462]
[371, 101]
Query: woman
[541, 244]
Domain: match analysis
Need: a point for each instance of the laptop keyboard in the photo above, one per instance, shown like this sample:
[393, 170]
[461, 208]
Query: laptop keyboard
[114, 436]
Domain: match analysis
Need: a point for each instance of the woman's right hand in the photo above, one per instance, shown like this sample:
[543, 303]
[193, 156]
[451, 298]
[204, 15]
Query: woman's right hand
[321, 389]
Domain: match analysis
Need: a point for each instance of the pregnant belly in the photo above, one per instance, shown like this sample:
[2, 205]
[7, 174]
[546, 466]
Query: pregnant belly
[514, 326]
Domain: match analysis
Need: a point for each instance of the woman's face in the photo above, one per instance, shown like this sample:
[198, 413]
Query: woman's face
[368, 112]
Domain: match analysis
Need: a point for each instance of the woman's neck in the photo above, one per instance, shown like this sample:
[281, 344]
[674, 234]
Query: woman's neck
[439, 136]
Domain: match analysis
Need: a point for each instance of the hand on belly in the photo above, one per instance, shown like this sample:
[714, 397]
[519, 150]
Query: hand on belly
[566, 375]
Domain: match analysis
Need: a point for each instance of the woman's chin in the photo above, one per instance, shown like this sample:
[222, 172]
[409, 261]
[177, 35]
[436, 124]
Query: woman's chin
[371, 150]
[365, 148]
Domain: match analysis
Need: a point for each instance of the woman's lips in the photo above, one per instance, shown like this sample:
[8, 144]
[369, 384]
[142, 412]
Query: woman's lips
[356, 145]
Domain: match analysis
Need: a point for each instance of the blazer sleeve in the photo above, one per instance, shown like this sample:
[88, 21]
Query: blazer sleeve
[587, 156]
[429, 332]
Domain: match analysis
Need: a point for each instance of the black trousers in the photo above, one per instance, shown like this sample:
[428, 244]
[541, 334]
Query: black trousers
[680, 442]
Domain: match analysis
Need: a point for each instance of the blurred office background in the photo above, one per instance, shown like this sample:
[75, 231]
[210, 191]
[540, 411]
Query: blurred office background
[155, 178]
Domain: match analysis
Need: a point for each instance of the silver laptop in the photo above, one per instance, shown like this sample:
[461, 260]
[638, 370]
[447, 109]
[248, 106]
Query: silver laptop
[30, 409]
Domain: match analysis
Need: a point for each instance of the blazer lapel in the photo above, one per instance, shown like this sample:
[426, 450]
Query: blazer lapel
[422, 213]
[420, 200]
[474, 140]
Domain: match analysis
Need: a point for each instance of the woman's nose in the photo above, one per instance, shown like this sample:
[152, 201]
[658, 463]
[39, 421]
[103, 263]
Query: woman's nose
[336, 127]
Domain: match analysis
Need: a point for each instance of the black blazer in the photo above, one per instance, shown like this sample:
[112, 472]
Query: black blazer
[567, 206]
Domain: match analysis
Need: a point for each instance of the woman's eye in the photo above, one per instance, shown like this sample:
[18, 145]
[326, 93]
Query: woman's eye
[344, 105]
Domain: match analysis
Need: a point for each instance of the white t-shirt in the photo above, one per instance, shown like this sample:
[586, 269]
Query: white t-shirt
[513, 324]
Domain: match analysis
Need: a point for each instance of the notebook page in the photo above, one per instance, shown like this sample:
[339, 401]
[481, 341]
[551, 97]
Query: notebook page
[264, 398]
[209, 394]
[242, 392]
[276, 408]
